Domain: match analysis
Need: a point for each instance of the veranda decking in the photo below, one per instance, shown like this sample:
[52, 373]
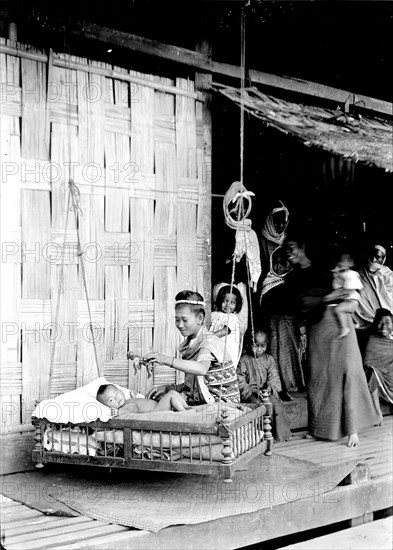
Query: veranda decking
[24, 528]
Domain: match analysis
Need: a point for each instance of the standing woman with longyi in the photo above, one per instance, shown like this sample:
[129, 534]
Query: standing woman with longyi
[339, 401]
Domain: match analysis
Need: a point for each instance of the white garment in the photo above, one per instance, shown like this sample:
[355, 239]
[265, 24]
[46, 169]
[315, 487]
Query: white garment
[79, 405]
[247, 243]
[234, 340]
[246, 238]
[348, 280]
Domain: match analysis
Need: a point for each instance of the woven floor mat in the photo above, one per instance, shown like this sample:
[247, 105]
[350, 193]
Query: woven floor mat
[153, 500]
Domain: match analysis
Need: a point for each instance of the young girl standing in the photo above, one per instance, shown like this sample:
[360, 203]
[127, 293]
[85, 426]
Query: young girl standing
[226, 323]
[210, 373]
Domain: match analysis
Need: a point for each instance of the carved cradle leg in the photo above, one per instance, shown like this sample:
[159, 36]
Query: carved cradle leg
[38, 446]
[226, 438]
[267, 422]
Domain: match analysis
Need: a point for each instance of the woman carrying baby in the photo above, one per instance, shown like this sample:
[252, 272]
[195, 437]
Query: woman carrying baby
[209, 372]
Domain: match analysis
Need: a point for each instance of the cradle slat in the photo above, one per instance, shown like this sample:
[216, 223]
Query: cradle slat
[235, 443]
[132, 454]
[161, 449]
[127, 443]
[190, 446]
[142, 449]
[170, 447]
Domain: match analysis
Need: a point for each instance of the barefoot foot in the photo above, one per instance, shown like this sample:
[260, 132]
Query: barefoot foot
[309, 436]
[344, 332]
[353, 440]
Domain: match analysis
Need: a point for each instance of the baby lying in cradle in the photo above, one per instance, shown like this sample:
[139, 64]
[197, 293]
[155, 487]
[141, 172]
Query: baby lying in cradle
[114, 398]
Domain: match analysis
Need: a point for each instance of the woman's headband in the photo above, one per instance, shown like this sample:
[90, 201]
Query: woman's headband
[191, 302]
[380, 248]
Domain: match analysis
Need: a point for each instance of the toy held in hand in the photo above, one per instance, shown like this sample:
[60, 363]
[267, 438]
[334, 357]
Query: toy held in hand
[138, 362]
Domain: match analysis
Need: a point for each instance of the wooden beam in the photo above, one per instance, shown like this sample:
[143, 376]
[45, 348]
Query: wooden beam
[321, 91]
[143, 45]
[200, 60]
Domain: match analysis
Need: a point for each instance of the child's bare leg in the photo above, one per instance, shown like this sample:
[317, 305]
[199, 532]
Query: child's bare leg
[178, 402]
[341, 312]
[377, 406]
[170, 400]
[164, 404]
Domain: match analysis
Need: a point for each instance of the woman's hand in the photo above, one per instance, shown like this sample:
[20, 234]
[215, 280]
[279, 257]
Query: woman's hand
[157, 392]
[247, 392]
[155, 357]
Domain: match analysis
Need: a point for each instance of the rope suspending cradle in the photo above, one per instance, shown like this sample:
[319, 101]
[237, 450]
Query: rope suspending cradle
[239, 213]
[73, 200]
[218, 444]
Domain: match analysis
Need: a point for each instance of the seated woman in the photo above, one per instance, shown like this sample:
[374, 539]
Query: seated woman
[377, 292]
[210, 373]
[378, 359]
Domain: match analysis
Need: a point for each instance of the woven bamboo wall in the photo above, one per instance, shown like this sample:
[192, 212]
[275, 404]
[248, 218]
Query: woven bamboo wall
[136, 144]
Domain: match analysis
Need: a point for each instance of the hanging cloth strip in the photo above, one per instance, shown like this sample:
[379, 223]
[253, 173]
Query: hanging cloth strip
[246, 238]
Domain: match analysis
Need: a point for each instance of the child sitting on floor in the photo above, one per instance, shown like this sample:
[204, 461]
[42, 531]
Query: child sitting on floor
[114, 398]
[257, 370]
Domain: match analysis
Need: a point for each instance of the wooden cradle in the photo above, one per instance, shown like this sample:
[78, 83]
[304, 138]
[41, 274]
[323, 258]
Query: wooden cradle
[182, 447]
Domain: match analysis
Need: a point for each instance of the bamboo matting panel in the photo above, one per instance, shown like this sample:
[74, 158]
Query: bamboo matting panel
[133, 145]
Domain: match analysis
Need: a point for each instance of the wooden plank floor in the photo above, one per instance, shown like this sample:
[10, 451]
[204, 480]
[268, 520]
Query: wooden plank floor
[25, 528]
[377, 535]
[375, 442]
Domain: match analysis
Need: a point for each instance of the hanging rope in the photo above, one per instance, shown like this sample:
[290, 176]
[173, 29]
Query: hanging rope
[240, 213]
[73, 201]
[75, 197]
[60, 289]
